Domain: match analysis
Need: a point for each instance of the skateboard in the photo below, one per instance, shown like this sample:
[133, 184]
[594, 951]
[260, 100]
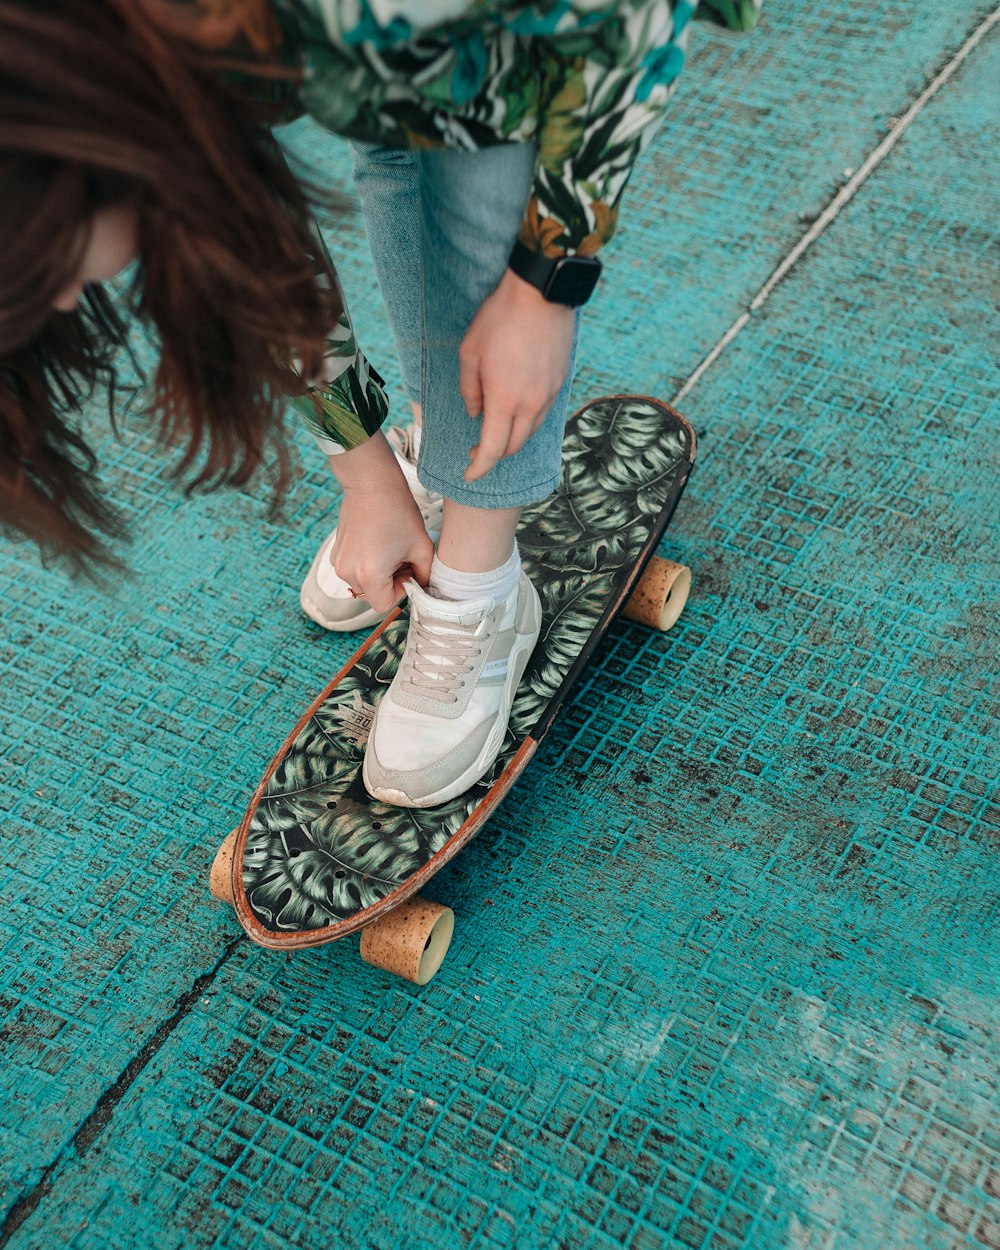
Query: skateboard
[315, 858]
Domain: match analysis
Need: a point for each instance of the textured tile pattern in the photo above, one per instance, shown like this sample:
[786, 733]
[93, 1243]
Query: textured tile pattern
[726, 972]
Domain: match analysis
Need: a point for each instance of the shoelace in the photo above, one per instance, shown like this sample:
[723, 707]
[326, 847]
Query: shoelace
[439, 654]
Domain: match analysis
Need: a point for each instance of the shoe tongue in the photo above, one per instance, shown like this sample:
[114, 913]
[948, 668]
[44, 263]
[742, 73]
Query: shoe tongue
[431, 606]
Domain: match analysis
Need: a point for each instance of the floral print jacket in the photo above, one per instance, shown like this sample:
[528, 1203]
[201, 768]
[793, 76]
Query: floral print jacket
[587, 80]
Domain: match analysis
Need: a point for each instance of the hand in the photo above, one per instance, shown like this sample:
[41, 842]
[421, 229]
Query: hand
[513, 360]
[381, 539]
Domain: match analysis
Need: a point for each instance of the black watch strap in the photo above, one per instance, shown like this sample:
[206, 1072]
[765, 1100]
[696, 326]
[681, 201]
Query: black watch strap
[566, 280]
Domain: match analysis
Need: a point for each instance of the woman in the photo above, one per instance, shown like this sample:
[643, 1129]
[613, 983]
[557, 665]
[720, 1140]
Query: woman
[491, 147]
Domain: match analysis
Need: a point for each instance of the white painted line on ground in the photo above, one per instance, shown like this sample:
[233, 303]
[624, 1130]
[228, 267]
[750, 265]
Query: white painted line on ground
[845, 194]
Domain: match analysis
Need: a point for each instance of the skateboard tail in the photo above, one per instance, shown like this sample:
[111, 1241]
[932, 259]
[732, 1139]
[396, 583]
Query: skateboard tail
[302, 939]
[244, 912]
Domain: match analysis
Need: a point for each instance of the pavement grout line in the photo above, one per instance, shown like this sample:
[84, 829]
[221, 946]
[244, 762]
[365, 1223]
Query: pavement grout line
[843, 196]
[99, 1119]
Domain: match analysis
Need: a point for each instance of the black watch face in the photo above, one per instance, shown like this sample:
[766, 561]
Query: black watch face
[573, 280]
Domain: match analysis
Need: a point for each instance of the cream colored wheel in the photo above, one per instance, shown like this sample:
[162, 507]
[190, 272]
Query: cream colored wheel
[220, 877]
[660, 594]
[410, 941]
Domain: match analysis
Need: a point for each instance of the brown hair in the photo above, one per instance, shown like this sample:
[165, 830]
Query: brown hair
[109, 100]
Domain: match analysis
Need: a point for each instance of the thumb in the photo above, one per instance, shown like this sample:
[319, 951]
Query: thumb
[383, 594]
[421, 562]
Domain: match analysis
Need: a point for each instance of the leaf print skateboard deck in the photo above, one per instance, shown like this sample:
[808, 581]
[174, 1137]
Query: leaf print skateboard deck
[315, 857]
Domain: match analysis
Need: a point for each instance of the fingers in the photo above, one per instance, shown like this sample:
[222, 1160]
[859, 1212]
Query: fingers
[383, 589]
[417, 568]
[369, 584]
[512, 362]
[420, 563]
[494, 435]
[383, 593]
[370, 580]
[470, 382]
[381, 542]
[500, 437]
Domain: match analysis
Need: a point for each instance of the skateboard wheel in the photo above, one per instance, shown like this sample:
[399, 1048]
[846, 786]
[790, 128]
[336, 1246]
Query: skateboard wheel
[660, 594]
[410, 941]
[220, 877]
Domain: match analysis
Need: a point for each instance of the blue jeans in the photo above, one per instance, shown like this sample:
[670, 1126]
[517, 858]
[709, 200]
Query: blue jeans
[441, 224]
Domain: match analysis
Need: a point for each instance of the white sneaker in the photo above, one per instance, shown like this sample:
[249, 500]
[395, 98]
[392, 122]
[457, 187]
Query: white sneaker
[441, 723]
[325, 597]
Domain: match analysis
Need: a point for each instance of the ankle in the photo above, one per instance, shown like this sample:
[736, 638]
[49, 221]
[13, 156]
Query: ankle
[494, 584]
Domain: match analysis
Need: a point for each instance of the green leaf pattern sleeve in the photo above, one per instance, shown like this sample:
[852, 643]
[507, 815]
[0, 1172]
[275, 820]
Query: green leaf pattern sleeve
[605, 88]
[348, 404]
[736, 14]
[588, 80]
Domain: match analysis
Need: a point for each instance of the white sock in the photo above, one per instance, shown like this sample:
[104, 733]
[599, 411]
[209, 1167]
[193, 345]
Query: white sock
[415, 435]
[497, 584]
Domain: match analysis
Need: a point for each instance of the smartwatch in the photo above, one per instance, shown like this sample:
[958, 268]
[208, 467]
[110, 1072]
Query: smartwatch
[565, 280]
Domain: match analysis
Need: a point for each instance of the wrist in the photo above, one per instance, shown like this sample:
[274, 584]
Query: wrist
[565, 280]
[520, 289]
[369, 467]
[528, 300]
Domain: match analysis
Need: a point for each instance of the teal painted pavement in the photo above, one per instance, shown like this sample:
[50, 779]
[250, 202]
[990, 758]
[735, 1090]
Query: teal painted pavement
[726, 972]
